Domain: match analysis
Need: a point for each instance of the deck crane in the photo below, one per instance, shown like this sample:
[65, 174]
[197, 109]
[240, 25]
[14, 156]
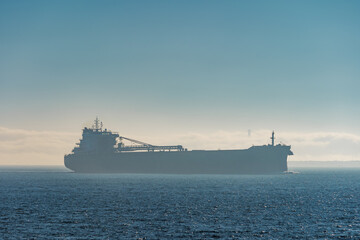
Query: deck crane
[145, 146]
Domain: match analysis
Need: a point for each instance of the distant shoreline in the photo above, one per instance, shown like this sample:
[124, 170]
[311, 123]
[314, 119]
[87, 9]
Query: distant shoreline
[324, 164]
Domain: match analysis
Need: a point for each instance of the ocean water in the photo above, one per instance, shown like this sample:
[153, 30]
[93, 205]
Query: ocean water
[51, 203]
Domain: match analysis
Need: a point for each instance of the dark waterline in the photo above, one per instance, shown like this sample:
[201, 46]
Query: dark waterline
[43, 203]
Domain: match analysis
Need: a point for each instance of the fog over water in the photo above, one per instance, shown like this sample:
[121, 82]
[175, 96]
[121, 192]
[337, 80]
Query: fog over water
[24, 147]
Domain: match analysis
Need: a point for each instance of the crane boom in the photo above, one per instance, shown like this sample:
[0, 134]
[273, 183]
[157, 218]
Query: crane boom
[146, 146]
[135, 141]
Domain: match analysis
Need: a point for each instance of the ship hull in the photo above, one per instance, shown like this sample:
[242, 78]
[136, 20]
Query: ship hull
[255, 160]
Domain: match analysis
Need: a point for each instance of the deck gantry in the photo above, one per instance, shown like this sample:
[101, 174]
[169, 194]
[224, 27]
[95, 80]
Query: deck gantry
[145, 146]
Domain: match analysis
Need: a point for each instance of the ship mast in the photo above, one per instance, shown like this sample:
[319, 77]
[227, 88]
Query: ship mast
[272, 138]
[96, 124]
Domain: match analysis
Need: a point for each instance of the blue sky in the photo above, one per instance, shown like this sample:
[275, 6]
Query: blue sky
[159, 66]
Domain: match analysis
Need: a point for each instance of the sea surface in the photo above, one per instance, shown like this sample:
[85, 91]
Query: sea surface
[52, 203]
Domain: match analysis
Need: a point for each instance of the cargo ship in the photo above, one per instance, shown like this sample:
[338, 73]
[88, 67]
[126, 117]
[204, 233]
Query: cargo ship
[104, 151]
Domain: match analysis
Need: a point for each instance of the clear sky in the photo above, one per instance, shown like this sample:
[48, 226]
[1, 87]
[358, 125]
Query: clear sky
[161, 69]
